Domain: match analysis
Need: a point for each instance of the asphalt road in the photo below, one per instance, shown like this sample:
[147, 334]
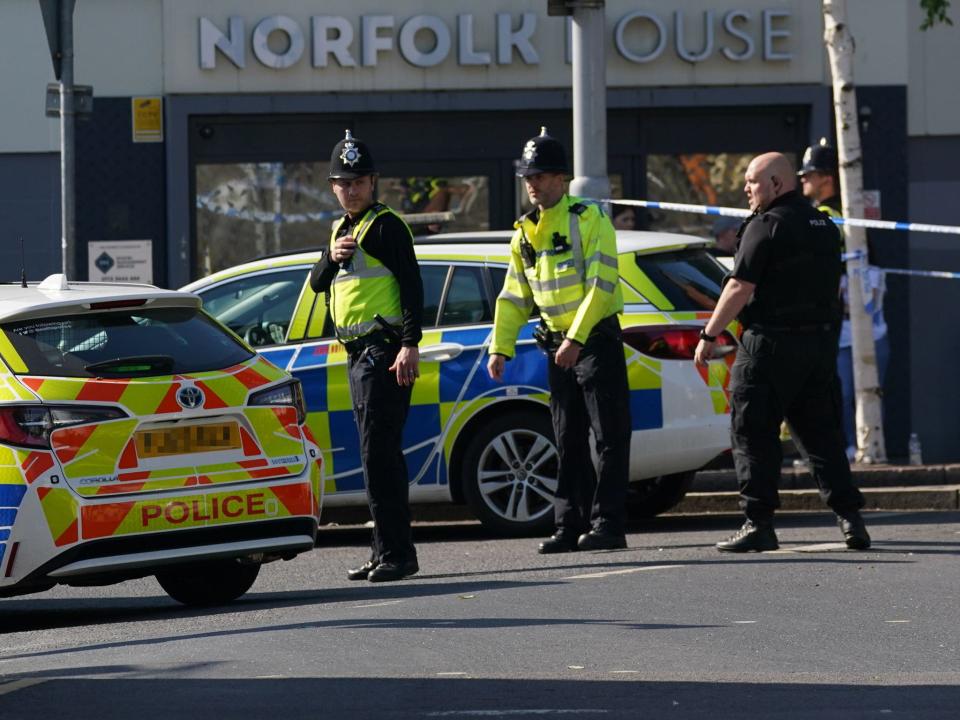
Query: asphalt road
[668, 628]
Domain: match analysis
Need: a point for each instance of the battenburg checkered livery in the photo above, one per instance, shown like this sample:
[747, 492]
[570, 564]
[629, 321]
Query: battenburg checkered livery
[139, 437]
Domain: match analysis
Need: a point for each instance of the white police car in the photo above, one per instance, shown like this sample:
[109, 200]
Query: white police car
[467, 438]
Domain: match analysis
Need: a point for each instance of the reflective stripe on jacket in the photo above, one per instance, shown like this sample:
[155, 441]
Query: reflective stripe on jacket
[364, 287]
[574, 285]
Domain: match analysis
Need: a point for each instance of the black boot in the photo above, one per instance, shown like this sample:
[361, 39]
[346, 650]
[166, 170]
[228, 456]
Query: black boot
[560, 542]
[601, 540]
[854, 531]
[751, 537]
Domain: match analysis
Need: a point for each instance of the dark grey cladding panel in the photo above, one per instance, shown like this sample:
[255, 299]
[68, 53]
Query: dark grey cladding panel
[29, 209]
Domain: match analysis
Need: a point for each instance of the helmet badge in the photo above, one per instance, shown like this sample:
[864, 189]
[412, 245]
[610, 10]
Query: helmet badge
[350, 155]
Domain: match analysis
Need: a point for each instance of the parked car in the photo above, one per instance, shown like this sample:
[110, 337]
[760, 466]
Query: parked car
[139, 437]
[469, 439]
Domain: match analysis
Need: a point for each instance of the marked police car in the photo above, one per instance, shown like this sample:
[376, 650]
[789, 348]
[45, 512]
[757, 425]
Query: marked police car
[467, 438]
[140, 437]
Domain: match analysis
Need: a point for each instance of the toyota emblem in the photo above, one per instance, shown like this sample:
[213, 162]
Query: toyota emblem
[190, 397]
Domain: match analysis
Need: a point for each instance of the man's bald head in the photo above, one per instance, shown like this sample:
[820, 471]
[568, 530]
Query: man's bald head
[768, 177]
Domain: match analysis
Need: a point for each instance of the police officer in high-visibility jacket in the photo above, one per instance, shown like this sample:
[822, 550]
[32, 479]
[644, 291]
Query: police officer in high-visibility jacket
[564, 261]
[375, 299]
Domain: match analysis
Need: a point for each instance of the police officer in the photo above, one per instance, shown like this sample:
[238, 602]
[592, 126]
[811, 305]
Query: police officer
[820, 179]
[375, 299]
[564, 260]
[785, 288]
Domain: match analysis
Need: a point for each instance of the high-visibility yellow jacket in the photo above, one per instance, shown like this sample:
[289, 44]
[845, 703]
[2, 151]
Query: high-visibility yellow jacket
[833, 212]
[364, 287]
[573, 277]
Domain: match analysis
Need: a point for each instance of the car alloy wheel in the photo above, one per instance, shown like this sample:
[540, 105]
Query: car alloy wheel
[511, 473]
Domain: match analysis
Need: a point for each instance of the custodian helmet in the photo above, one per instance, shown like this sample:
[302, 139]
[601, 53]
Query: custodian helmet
[542, 154]
[821, 157]
[350, 159]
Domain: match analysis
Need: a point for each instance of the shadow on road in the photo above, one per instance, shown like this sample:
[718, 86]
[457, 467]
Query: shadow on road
[567, 697]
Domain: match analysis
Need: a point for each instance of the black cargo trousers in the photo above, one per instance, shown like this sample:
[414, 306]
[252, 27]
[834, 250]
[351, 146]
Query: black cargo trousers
[380, 407]
[793, 375]
[593, 394]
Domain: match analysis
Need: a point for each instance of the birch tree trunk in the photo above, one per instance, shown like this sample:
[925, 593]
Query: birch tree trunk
[840, 48]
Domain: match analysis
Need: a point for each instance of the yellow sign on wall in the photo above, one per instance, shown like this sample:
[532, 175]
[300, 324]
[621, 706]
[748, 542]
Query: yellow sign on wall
[147, 119]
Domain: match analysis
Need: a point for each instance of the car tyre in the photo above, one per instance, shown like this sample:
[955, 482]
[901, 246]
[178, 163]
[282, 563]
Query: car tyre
[509, 473]
[656, 495]
[212, 583]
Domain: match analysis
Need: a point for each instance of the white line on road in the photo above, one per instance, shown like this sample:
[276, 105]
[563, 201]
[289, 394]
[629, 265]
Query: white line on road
[625, 571]
[451, 674]
[744, 622]
[379, 604]
[504, 713]
[10, 687]
[820, 547]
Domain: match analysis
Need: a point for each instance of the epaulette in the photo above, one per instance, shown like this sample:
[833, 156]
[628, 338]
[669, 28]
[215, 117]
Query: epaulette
[578, 208]
[533, 216]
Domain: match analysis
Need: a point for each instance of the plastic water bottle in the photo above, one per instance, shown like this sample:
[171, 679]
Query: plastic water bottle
[913, 447]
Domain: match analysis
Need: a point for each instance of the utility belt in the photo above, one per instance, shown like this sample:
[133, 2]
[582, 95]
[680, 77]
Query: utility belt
[765, 328]
[379, 338]
[550, 340]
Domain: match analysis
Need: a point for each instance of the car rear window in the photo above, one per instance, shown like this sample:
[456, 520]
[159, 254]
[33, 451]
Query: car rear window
[158, 341]
[690, 279]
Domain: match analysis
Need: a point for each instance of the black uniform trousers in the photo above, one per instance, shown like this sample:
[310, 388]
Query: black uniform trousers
[380, 407]
[792, 375]
[593, 394]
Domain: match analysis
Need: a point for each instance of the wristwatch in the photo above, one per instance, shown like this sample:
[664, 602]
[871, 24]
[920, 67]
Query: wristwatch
[704, 336]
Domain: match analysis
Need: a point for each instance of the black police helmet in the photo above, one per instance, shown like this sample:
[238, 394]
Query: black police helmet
[821, 157]
[350, 159]
[542, 154]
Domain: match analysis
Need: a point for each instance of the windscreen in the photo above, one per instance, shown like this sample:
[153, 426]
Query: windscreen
[132, 342]
[690, 279]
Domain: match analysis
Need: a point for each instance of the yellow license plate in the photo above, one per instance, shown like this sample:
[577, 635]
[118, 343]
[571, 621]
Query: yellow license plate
[187, 439]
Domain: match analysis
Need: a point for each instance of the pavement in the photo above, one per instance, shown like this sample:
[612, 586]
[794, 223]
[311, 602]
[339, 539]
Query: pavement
[885, 487]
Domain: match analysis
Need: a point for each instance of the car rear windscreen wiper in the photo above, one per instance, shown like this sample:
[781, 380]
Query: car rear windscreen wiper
[133, 365]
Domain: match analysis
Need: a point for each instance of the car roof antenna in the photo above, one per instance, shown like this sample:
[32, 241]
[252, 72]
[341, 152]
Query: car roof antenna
[23, 265]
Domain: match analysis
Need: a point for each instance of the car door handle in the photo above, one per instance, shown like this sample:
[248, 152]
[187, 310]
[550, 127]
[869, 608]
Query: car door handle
[441, 352]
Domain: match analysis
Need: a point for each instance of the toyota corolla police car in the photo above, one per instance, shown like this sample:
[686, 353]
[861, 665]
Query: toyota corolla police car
[140, 437]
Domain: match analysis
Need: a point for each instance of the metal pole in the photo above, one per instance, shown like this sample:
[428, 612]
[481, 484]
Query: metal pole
[589, 101]
[67, 159]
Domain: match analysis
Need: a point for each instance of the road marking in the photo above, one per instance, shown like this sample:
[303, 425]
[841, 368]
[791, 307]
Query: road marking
[451, 674]
[896, 621]
[505, 713]
[379, 604]
[624, 672]
[744, 622]
[820, 547]
[625, 571]
[11, 687]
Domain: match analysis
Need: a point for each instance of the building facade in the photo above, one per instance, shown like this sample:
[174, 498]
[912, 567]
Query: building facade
[213, 122]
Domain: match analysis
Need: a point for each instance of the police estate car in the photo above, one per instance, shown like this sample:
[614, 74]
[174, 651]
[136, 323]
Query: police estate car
[467, 438]
[140, 437]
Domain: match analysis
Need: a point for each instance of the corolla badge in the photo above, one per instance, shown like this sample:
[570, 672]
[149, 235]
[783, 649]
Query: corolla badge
[190, 397]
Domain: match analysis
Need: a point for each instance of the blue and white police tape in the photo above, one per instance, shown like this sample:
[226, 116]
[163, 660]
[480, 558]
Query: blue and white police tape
[859, 255]
[738, 212]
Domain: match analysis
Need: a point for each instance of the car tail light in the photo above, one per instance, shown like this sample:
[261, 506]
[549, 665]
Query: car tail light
[31, 425]
[674, 342]
[290, 393]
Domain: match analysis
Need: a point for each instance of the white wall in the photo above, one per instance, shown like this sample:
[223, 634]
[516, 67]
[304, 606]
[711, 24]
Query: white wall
[882, 51]
[118, 49]
[933, 95]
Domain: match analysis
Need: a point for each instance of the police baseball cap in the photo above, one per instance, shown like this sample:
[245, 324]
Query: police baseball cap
[350, 159]
[542, 154]
[821, 157]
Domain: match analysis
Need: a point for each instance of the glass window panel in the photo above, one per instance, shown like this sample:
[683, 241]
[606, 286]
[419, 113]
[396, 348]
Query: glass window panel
[697, 179]
[257, 307]
[467, 197]
[434, 278]
[689, 279]
[466, 299]
[248, 210]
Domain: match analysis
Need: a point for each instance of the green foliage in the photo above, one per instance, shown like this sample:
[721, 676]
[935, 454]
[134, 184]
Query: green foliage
[936, 11]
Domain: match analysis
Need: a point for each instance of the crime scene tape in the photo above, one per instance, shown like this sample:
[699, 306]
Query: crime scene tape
[739, 212]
